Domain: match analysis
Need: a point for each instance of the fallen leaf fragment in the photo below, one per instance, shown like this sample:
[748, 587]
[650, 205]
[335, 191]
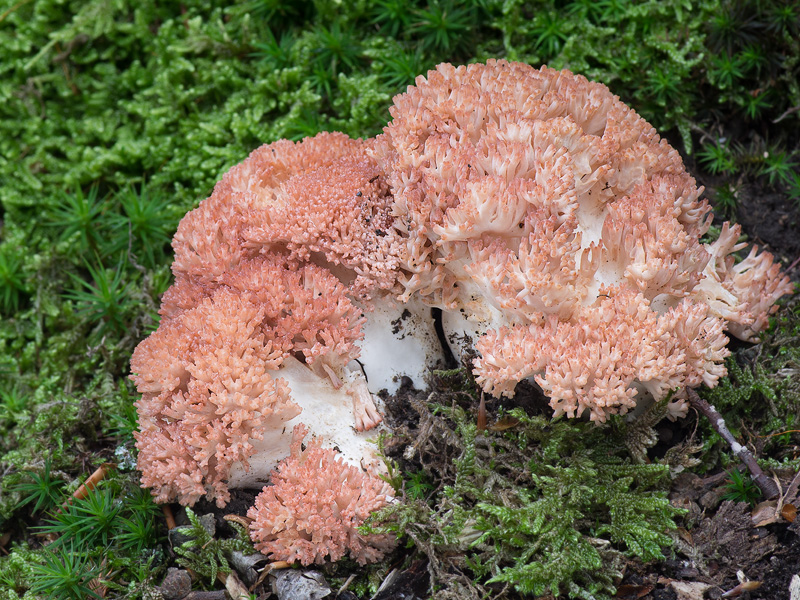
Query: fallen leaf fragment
[765, 513]
[789, 512]
[243, 521]
[689, 590]
[504, 423]
[235, 588]
[686, 536]
[745, 586]
[633, 592]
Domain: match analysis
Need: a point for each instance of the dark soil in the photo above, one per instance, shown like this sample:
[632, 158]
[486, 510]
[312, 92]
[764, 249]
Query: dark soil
[772, 221]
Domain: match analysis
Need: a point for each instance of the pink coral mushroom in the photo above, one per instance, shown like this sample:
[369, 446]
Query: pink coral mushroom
[562, 239]
[218, 375]
[559, 235]
[314, 507]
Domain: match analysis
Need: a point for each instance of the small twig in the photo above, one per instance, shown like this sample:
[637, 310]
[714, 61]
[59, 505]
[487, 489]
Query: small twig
[766, 484]
[786, 113]
[88, 485]
[346, 584]
[482, 415]
[171, 524]
[12, 9]
[793, 265]
[792, 489]
[217, 595]
[780, 433]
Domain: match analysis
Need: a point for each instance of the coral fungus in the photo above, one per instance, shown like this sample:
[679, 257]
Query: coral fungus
[556, 231]
[314, 507]
[561, 237]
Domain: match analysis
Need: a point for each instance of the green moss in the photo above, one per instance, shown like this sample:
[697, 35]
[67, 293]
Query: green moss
[543, 506]
[761, 394]
[115, 530]
[16, 570]
[116, 117]
[205, 554]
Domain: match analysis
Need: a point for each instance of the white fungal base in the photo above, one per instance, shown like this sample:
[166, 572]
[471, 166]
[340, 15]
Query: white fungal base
[328, 414]
[399, 339]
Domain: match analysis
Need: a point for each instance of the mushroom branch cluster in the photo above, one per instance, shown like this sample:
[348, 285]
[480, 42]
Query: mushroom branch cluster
[559, 236]
[562, 239]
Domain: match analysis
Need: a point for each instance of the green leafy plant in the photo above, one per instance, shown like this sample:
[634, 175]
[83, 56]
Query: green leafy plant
[755, 103]
[417, 485]
[67, 574]
[733, 25]
[741, 488]
[276, 13]
[544, 507]
[105, 300]
[762, 390]
[337, 49]
[13, 403]
[442, 26]
[403, 68]
[86, 522]
[77, 216]
[145, 226]
[125, 420]
[13, 286]
[793, 189]
[205, 554]
[717, 158]
[665, 85]
[725, 200]
[41, 488]
[778, 167]
[726, 70]
[549, 32]
[115, 527]
[137, 532]
[277, 54]
[392, 16]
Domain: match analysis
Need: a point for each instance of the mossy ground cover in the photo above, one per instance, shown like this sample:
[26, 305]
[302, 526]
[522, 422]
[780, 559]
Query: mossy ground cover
[116, 117]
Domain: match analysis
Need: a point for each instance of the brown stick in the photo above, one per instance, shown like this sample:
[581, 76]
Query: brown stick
[88, 485]
[171, 524]
[767, 485]
[482, 415]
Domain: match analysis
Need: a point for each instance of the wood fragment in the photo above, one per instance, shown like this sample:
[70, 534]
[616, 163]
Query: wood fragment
[279, 564]
[767, 485]
[243, 521]
[234, 586]
[87, 486]
[633, 592]
[482, 415]
[171, 524]
[197, 595]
